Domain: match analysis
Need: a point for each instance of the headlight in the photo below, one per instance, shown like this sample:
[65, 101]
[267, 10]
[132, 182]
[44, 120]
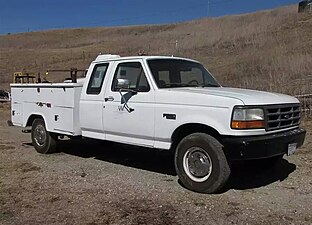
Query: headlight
[247, 118]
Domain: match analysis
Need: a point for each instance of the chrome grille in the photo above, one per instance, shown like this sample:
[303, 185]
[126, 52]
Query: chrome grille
[282, 116]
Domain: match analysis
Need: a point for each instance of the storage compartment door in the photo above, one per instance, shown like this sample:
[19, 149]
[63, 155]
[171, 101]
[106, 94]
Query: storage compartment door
[17, 114]
[63, 120]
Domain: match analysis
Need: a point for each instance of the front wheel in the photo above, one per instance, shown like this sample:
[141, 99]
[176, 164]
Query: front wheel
[43, 141]
[201, 164]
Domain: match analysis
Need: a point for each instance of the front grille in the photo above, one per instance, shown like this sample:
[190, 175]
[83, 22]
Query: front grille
[282, 116]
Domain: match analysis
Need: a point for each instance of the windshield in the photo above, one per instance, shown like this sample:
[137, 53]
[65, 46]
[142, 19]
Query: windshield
[170, 73]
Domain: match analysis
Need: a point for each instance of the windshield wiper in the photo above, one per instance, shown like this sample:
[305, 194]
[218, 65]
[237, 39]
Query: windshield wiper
[180, 85]
[210, 85]
[173, 85]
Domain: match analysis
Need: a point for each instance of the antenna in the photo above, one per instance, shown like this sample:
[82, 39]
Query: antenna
[176, 46]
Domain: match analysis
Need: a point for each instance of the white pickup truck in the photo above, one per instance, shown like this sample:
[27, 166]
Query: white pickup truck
[166, 103]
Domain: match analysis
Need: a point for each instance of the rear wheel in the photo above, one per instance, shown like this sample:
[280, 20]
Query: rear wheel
[43, 141]
[201, 164]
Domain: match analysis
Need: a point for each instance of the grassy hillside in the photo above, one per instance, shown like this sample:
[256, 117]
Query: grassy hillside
[267, 50]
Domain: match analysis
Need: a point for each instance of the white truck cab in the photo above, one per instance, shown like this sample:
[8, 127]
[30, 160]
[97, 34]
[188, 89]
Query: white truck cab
[163, 103]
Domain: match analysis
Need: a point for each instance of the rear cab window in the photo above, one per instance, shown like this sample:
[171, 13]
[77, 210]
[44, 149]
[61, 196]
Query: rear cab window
[97, 79]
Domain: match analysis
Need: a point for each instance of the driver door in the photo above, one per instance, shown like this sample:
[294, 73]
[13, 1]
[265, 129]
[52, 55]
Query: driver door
[128, 113]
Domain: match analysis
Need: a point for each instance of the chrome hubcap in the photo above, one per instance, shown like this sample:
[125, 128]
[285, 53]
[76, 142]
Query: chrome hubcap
[197, 164]
[40, 135]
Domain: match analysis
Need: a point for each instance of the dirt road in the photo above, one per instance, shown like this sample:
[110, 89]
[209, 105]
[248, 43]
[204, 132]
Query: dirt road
[103, 183]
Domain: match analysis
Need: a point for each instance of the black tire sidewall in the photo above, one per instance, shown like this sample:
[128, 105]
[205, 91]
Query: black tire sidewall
[219, 164]
[47, 147]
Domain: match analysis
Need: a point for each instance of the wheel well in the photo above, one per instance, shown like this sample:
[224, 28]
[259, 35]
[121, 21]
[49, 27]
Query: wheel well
[190, 128]
[32, 118]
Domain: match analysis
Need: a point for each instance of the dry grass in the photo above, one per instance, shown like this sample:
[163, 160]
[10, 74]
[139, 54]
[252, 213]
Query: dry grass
[267, 50]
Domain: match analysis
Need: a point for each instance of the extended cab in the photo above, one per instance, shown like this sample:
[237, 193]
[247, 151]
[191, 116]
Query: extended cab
[163, 103]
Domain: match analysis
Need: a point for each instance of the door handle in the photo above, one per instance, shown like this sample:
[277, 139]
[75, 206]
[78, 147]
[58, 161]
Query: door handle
[109, 98]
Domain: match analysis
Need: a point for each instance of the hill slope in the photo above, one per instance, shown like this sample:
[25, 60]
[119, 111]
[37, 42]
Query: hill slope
[266, 50]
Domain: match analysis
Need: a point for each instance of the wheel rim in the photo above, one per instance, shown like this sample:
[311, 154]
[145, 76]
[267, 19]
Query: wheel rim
[197, 164]
[40, 135]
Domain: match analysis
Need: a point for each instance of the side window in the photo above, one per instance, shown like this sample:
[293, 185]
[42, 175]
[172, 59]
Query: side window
[97, 79]
[130, 76]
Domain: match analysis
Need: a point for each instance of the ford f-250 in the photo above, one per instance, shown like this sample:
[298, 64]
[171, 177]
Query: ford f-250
[163, 103]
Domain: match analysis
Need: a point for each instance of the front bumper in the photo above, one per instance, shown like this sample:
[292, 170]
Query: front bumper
[264, 146]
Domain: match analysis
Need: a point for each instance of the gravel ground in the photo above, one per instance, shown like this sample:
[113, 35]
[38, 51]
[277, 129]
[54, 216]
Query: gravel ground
[91, 182]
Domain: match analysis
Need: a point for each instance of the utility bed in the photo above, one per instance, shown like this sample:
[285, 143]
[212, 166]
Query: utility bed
[57, 103]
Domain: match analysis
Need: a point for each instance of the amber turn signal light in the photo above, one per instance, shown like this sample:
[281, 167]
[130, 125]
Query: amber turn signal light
[256, 124]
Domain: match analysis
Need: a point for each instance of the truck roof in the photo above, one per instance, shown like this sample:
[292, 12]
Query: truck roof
[109, 57]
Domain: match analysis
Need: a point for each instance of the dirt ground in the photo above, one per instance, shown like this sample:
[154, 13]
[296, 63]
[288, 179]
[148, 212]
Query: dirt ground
[104, 183]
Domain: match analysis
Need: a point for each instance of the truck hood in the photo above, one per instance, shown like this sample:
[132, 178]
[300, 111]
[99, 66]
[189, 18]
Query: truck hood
[248, 97]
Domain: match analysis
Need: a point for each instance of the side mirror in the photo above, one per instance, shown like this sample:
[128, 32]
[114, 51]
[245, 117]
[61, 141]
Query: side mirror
[123, 84]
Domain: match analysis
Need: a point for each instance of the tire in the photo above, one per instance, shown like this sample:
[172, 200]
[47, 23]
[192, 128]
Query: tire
[201, 164]
[43, 141]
